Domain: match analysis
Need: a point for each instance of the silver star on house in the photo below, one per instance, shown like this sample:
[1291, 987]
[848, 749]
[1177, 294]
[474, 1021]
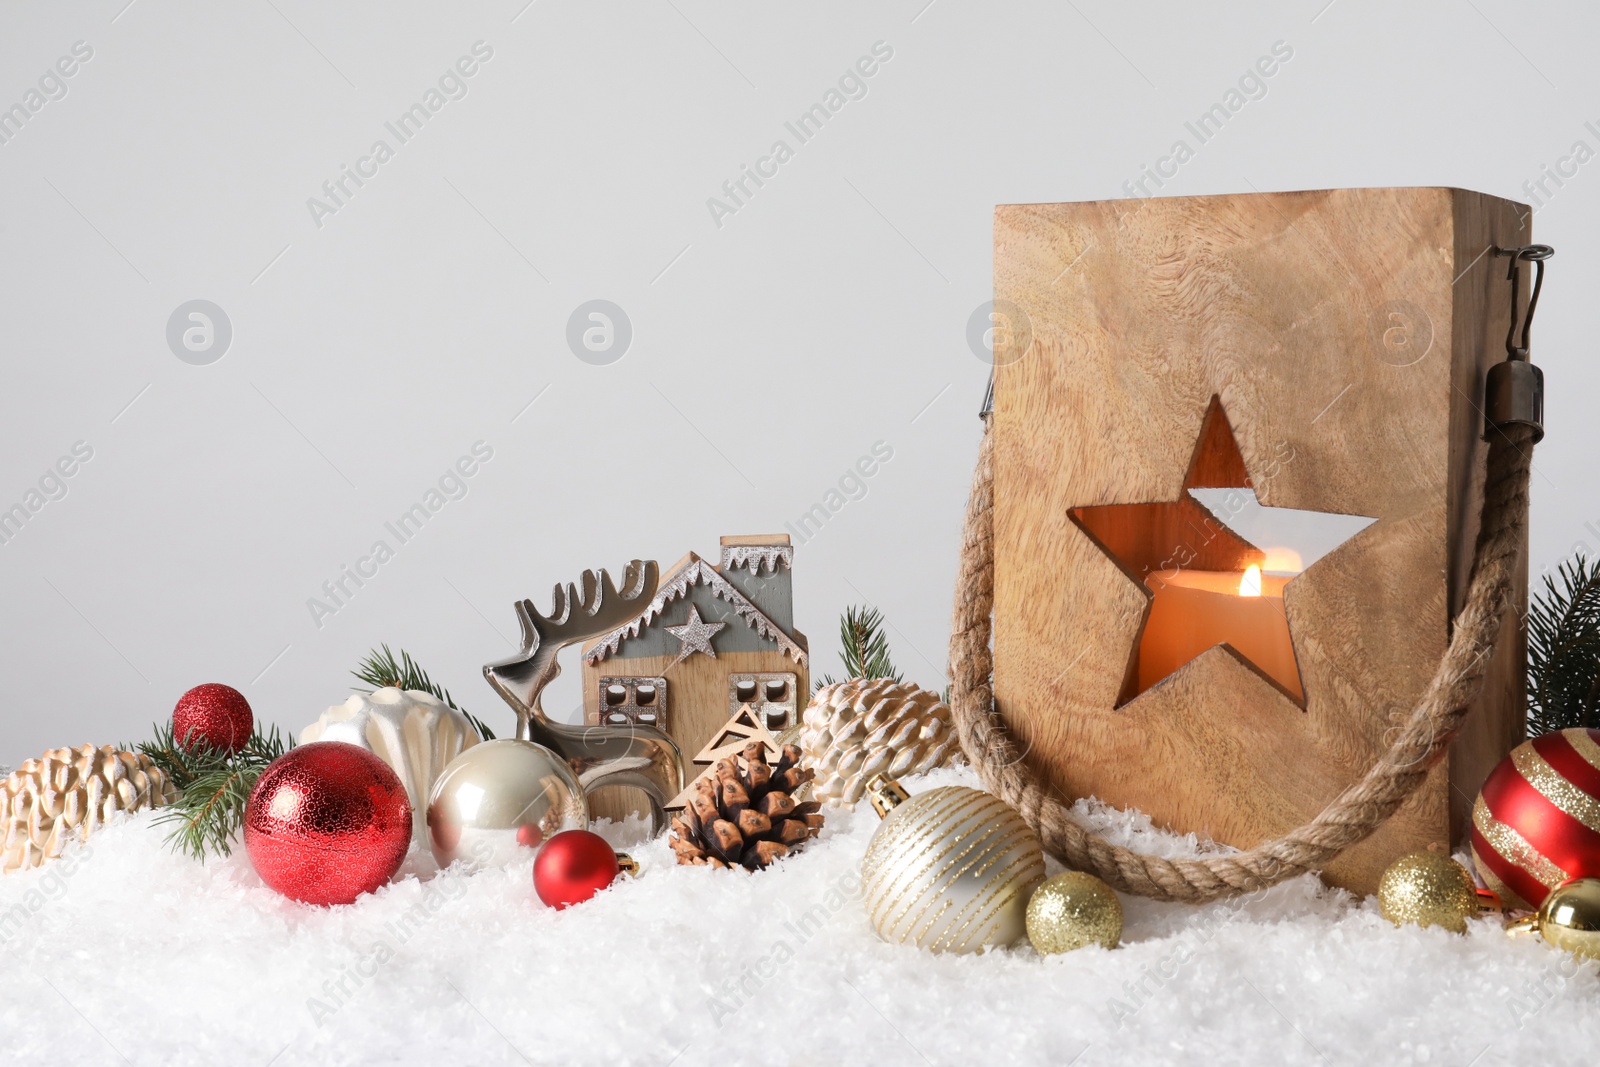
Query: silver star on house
[694, 635]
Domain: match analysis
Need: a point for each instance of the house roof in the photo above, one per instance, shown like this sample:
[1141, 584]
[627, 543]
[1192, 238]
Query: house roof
[689, 572]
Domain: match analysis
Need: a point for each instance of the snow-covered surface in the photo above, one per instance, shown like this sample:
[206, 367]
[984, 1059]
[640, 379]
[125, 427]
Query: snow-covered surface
[129, 951]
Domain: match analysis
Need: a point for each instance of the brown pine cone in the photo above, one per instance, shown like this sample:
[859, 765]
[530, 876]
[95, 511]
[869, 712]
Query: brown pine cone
[744, 812]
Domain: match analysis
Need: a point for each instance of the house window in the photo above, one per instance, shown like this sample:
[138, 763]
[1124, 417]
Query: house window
[633, 702]
[770, 695]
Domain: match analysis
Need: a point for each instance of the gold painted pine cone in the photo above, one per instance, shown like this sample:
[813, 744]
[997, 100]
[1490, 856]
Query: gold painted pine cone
[72, 792]
[856, 729]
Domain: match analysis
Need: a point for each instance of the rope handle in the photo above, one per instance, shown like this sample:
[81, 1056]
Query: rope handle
[1351, 817]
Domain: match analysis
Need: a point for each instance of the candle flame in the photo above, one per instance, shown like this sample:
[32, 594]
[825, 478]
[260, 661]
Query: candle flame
[1250, 584]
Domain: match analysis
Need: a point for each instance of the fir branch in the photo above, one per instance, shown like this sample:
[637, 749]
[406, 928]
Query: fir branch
[214, 787]
[864, 647]
[165, 752]
[380, 669]
[1564, 649]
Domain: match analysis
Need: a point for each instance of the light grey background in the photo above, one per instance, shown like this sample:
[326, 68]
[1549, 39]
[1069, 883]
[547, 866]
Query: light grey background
[768, 353]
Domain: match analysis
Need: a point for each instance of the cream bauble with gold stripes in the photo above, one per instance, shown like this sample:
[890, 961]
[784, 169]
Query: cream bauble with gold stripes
[856, 729]
[949, 870]
[69, 793]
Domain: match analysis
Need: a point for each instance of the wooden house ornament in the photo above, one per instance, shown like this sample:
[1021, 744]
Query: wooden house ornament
[1325, 350]
[715, 639]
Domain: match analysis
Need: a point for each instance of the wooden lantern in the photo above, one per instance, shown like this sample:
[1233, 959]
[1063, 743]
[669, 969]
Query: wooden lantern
[1328, 351]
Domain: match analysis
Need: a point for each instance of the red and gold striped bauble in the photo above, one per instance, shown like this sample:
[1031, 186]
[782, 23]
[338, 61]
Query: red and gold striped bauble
[1537, 820]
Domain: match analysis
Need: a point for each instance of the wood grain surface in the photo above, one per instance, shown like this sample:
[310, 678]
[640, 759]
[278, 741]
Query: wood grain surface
[1344, 334]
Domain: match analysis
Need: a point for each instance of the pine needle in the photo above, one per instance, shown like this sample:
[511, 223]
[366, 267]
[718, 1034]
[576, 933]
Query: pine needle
[214, 787]
[864, 647]
[380, 669]
[1564, 650]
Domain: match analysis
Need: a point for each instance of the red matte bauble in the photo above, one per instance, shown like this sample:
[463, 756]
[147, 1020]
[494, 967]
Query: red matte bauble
[215, 714]
[1536, 823]
[573, 866]
[327, 822]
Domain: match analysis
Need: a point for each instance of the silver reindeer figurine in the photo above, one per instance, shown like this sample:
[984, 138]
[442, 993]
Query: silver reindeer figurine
[639, 756]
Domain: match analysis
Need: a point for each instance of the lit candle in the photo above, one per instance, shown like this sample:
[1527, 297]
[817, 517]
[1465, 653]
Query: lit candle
[1197, 610]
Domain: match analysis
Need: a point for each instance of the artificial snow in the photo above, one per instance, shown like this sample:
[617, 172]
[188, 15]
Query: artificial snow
[126, 952]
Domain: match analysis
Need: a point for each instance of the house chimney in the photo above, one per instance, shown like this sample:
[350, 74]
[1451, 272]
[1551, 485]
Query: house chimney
[760, 566]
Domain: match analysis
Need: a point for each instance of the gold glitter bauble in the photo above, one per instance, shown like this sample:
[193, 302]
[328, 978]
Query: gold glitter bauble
[1072, 910]
[1569, 918]
[950, 870]
[1428, 889]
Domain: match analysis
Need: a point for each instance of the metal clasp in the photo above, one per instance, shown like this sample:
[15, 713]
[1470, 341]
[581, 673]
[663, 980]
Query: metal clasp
[1514, 390]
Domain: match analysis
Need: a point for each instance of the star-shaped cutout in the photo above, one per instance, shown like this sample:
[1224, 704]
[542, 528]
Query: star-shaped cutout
[1207, 585]
[694, 636]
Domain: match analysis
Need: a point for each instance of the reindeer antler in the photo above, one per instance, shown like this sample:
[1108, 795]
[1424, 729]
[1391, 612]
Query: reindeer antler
[587, 608]
[583, 609]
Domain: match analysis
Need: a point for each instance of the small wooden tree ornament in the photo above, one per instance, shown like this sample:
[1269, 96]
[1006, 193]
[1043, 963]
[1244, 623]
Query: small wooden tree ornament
[1326, 350]
[744, 728]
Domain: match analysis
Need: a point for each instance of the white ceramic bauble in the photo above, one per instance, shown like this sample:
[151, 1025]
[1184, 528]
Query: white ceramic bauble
[412, 731]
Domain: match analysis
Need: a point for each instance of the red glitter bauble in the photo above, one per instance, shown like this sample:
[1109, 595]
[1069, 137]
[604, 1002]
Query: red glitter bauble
[215, 714]
[1537, 820]
[573, 866]
[327, 822]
